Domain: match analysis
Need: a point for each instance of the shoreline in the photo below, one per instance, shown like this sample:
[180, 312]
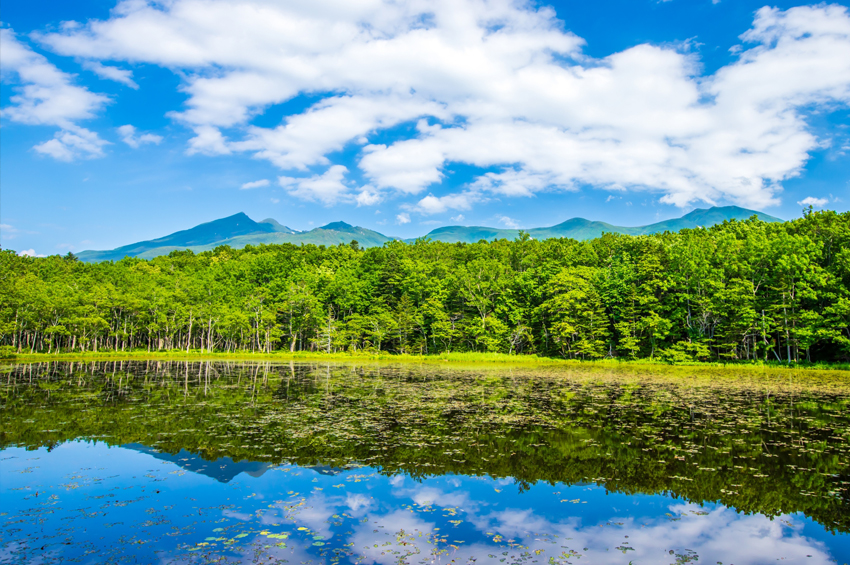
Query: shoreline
[389, 358]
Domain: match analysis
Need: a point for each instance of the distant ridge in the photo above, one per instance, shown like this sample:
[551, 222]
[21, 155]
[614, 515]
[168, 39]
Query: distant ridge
[239, 230]
[277, 227]
[199, 236]
[223, 469]
[337, 226]
[581, 229]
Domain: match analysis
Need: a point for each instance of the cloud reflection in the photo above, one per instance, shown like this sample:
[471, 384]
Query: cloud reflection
[685, 531]
[362, 518]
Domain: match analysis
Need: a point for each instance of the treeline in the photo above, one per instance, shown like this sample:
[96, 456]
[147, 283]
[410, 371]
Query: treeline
[741, 290]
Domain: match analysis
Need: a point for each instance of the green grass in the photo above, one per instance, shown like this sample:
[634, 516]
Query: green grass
[461, 358]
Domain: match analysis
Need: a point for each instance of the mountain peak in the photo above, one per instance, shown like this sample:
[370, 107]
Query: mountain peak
[229, 220]
[277, 226]
[337, 226]
[574, 223]
[239, 230]
[718, 214]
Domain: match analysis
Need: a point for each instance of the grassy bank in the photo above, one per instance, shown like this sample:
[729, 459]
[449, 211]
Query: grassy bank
[460, 358]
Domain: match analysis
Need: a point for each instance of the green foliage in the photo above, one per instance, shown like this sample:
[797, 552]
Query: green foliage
[740, 291]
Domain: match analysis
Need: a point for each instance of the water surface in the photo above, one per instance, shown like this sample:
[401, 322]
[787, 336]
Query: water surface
[156, 462]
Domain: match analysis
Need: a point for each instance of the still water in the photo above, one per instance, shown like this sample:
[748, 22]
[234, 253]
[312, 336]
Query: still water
[195, 462]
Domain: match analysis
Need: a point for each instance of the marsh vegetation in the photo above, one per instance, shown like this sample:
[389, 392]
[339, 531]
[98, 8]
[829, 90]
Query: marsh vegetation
[771, 444]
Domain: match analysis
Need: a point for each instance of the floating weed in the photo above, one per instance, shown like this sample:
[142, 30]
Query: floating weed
[759, 444]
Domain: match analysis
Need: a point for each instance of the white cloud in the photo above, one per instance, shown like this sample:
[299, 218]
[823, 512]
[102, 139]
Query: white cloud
[368, 197]
[327, 188]
[508, 222]
[123, 76]
[45, 95]
[8, 231]
[518, 182]
[436, 205]
[498, 85]
[812, 201]
[208, 141]
[330, 188]
[402, 218]
[254, 184]
[128, 136]
[30, 253]
[306, 138]
[71, 143]
[458, 218]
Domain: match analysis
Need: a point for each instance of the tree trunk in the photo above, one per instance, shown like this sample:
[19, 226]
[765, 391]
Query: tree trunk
[189, 339]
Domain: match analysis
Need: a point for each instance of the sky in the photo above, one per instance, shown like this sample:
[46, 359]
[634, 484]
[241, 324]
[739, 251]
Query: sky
[124, 121]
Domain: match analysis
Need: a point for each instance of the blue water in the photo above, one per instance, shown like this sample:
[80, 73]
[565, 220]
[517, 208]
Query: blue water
[93, 503]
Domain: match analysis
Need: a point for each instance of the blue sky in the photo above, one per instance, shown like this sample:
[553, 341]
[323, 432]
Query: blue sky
[127, 121]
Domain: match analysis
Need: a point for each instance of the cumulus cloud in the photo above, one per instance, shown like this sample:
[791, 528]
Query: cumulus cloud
[438, 204]
[330, 188]
[254, 184]
[44, 95]
[108, 72]
[208, 141]
[812, 201]
[30, 253]
[327, 188]
[518, 182]
[498, 85]
[128, 136]
[73, 142]
[305, 139]
[509, 222]
[402, 219]
[368, 197]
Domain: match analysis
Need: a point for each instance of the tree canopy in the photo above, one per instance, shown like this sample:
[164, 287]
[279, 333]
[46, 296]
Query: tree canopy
[739, 290]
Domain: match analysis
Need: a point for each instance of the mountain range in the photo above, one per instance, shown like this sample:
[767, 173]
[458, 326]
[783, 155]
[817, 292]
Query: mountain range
[239, 230]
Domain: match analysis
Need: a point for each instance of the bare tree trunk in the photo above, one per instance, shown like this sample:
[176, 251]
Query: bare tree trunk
[189, 339]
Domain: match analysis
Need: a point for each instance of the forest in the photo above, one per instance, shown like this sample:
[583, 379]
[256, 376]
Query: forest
[741, 290]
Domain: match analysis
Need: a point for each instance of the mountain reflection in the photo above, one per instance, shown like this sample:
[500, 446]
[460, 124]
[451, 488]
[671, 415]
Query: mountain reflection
[390, 464]
[223, 469]
[292, 514]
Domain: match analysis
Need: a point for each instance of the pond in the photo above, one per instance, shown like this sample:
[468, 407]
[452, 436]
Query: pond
[244, 462]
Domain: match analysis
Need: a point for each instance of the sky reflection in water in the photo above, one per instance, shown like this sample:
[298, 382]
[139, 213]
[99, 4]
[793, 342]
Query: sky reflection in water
[107, 503]
[113, 504]
[89, 502]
